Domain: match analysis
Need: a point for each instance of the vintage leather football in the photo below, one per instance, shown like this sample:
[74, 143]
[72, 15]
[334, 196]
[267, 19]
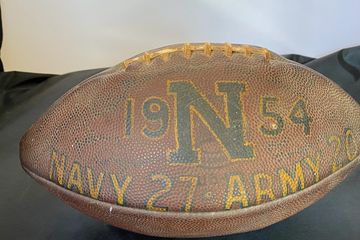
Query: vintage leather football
[196, 140]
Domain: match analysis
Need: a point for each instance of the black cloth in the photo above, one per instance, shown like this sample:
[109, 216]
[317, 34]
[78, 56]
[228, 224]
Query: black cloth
[1, 38]
[28, 211]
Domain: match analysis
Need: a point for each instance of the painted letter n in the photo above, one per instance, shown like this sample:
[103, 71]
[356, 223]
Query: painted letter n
[228, 132]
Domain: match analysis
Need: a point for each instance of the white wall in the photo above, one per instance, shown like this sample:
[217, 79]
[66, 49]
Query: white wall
[62, 36]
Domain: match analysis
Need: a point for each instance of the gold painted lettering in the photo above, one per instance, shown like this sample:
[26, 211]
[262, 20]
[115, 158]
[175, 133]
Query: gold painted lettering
[167, 186]
[260, 190]
[351, 148]
[314, 166]
[335, 140]
[94, 190]
[75, 178]
[191, 191]
[293, 182]
[120, 189]
[59, 165]
[241, 197]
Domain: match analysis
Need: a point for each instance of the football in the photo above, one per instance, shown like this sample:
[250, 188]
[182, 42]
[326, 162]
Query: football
[195, 140]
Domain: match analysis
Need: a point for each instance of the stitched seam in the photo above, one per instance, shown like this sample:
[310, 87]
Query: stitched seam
[207, 48]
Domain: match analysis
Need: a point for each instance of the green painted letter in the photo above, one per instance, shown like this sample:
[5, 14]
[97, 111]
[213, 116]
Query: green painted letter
[228, 132]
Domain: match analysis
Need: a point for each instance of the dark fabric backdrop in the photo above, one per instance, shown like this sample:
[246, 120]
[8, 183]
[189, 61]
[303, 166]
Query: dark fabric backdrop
[1, 38]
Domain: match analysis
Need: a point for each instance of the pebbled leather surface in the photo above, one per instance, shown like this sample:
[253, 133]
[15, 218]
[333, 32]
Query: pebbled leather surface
[308, 129]
[172, 224]
[38, 215]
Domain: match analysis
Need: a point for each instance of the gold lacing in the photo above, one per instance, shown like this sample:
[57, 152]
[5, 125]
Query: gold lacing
[206, 48]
